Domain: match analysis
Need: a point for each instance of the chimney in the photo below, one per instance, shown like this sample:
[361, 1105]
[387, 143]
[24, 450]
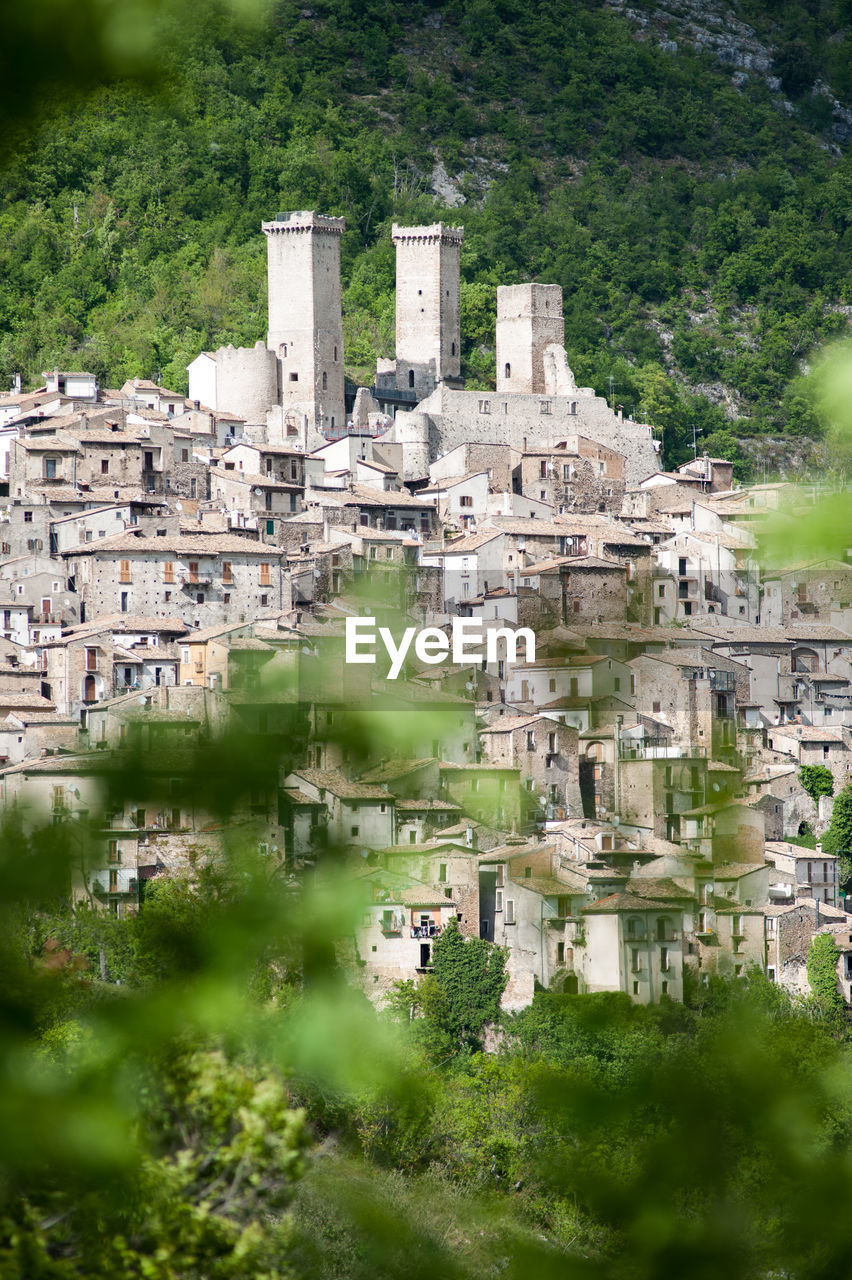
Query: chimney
[16, 384]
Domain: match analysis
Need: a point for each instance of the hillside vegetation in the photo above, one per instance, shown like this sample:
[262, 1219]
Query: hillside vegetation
[698, 220]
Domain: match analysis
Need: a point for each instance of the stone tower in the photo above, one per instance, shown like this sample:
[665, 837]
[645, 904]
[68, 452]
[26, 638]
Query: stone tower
[529, 320]
[305, 318]
[428, 327]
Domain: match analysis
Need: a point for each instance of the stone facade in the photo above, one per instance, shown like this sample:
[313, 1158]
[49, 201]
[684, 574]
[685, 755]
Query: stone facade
[305, 317]
[428, 324]
[529, 320]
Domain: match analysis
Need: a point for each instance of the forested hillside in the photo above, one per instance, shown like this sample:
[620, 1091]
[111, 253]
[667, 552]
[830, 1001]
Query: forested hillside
[697, 214]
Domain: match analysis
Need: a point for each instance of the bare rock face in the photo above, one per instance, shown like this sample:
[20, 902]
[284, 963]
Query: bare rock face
[442, 185]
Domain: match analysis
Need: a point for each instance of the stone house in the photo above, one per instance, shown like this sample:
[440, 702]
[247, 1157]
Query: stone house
[546, 753]
[358, 813]
[802, 873]
[790, 928]
[470, 565]
[488, 792]
[525, 898]
[449, 865]
[570, 481]
[807, 593]
[634, 944]
[211, 579]
[462, 500]
[578, 589]
[812, 744]
[712, 573]
[400, 921]
[693, 691]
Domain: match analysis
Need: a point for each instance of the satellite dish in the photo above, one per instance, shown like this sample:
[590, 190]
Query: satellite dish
[257, 492]
[542, 801]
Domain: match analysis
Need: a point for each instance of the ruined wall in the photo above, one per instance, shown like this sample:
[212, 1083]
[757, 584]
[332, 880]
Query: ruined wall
[526, 421]
[529, 319]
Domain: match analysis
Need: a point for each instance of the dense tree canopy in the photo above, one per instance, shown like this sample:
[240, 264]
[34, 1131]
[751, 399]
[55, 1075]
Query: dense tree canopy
[701, 235]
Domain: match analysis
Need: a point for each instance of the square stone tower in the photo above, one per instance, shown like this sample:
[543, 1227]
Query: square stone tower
[529, 319]
[305, 316]
[428, 325]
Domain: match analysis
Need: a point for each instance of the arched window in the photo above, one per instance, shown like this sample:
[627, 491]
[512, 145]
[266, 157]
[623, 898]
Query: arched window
[411, 377]
[452, 348]
[507, 370]
[805, 660]
[325, 382]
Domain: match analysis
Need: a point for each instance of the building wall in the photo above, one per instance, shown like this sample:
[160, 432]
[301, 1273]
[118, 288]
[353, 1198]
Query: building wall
[428, 326]
[529, 319]
[246, 381]
[305, 317]
[522, 419]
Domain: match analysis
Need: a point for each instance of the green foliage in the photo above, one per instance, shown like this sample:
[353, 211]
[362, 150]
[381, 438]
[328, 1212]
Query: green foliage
[838, 838]
[817, 780]
[700, 236]
[470, 977]
[822, 975]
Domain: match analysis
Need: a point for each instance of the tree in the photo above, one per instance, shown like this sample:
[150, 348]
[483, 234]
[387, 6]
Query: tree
[822, 975]
[817, 780]
[470, 977]
[837, 840]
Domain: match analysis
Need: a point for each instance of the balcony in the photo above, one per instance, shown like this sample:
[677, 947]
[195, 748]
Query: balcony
[425, 931]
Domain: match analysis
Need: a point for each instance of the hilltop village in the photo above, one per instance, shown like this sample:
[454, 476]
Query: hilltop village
[619, 811]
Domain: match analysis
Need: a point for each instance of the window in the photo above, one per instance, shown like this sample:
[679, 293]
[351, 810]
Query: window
[325, 382]
[226, 597]
[411, 378]
[28, 517]
[442, 872]
[485, 406]
[412, 837]
[655, 706]
[542, 469]
[545, 407]
[509, 913]
[169, 571]
[465, 500]
[184, 455]
[507, 370]
[264, 601]
[354, 830]
[50, 468]
[664, 959]
[551, 684]
[91, 659]
[294, 377]
[530, 740]
[264, 575]
[104, 466]
[661, 590]
[112, 851]
[124, 601]
[124, 575]
[227, 574]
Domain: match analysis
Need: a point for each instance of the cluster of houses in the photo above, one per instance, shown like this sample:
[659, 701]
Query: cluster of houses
[622, 810]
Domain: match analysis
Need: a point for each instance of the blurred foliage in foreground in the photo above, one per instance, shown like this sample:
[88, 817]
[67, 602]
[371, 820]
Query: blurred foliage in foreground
[225, 1105]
